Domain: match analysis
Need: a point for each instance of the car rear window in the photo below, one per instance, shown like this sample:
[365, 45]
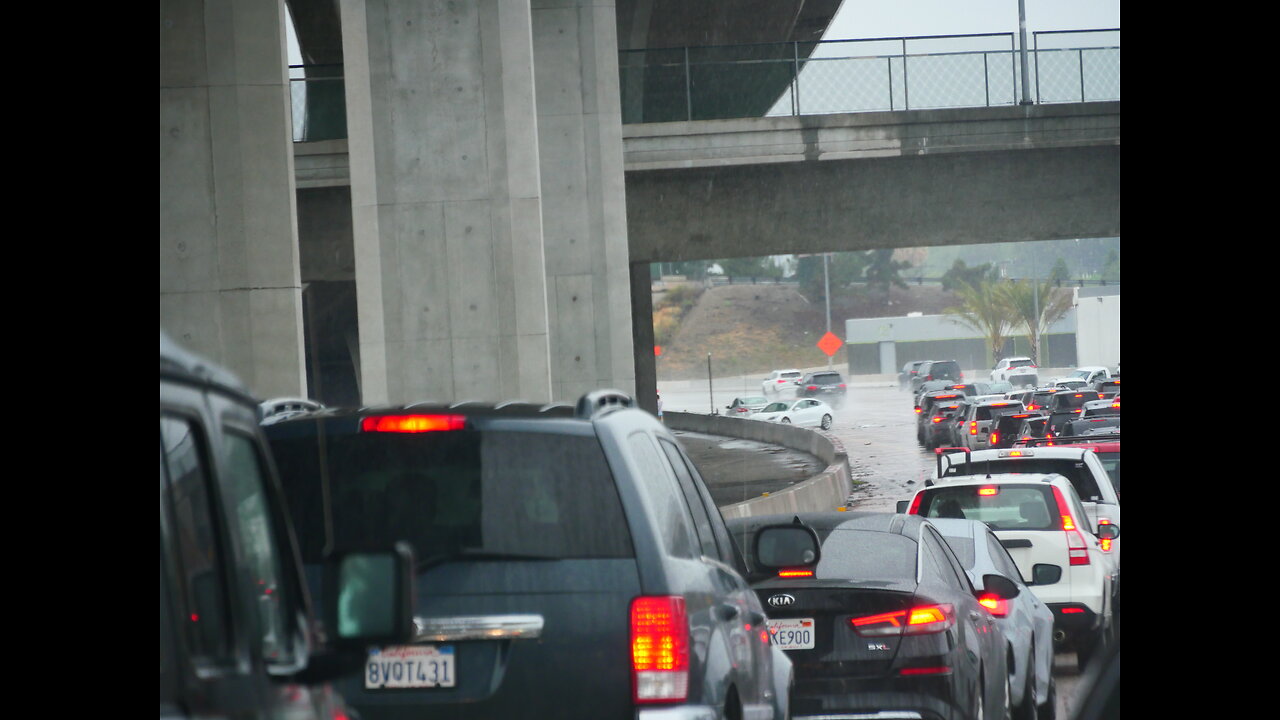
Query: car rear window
[1074, 470]
[1001, 507]
[548, 495]
[863, 554]
[1072, 400]
[827, 378]
[989, 412]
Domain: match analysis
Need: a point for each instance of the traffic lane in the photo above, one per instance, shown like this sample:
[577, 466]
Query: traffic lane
[736, 470]
[877, 426]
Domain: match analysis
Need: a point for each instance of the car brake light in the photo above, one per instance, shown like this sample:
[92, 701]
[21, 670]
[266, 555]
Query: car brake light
[988, 490]
[659, 649]
[1077, 551]
[921, 620]
[841, 384]
[412, 423]
[915, 505]
[939, 419]
[1104, 543]
[795, 572]
[973, 427]
[919, 410]
[995, 438]
[998, 607]
[810, 387]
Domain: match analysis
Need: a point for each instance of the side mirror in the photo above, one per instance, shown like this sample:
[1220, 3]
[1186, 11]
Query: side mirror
[1000, 586]
[368, 598]
[783, 546]
[1045, 574]
[1108, 531]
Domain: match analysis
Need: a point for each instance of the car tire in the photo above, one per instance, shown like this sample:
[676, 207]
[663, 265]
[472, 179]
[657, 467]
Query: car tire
[826, 422]
[1087, 647]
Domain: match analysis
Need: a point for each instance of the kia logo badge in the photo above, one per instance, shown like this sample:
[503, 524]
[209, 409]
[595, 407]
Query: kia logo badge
[781, 601]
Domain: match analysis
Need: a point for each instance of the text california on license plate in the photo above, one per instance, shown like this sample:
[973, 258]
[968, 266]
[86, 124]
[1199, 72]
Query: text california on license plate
[410, 666]
[792, 633]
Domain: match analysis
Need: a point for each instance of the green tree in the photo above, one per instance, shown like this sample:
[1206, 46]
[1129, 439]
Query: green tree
[1059, 274]
[760, 267]
[883, 272]
[961, 274]
[1111, 269]
[984, 308]
[843, 269]
[1033, 307]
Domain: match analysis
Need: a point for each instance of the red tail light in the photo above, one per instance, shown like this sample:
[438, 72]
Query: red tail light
[915, 505]
[841, 384]
[995, 438]
[1077, 550]
[1104, 543]
[920, 620]
[996, 606]
[659, 649]
[796, 572]
[810, 387]
[919, 410]
[412, 423]
[973, 427]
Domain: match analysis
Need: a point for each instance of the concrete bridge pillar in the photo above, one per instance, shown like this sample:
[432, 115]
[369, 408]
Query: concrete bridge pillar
[229, 280]
[446, 201]
[584, 218]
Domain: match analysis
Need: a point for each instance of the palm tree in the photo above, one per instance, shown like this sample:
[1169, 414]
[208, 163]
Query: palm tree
[984, 309]
[1034, 308]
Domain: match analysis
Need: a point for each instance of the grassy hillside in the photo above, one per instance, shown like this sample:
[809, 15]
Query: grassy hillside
[755, 328]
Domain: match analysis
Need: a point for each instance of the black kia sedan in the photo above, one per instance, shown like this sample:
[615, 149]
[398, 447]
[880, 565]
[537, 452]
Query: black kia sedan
[877, 615]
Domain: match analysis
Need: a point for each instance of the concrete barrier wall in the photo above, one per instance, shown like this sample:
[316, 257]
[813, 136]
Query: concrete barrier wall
[828, 490]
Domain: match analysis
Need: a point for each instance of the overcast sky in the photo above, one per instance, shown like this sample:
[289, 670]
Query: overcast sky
[905, 18]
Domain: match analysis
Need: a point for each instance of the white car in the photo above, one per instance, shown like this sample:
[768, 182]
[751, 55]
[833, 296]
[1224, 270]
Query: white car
[1026, 621]
[1041, 521]
[805, 412]
[1081, 466]
[1088, 374]
[1006, 367]
[780, 380]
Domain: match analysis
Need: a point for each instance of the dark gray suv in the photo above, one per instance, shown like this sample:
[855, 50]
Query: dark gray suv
[571, 561]
[237, 634]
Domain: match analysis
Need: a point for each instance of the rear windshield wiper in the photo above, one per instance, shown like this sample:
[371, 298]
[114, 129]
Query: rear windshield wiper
[477, 554]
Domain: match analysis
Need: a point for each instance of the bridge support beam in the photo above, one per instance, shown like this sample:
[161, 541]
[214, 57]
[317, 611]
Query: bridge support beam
[229, 279]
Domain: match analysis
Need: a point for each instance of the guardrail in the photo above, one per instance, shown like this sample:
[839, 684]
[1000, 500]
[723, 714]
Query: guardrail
[809, 78]
[828, 490]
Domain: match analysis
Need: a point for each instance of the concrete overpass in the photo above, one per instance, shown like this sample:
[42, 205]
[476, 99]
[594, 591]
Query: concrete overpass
[470, 238]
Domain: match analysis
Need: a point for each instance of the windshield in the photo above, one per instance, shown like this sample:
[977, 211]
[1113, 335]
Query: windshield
[775, 407]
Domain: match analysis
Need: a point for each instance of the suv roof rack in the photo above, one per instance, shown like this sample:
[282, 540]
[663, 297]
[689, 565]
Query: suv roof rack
[598, 401]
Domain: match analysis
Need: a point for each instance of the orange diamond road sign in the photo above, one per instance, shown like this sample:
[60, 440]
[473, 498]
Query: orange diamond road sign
[657, 350]
[830, 344]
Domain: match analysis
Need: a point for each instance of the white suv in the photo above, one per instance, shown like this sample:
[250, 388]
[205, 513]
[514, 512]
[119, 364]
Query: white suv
[1041, 521]
[780, 380]
[1013, 366]
[1080, 466]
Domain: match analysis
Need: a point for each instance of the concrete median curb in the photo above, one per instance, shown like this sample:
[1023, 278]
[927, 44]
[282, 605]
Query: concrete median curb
[828, 490]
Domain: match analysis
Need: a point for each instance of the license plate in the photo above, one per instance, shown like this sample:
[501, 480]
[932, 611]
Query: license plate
[792, 633]
[410, 666]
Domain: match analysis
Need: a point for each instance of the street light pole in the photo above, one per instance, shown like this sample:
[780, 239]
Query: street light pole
[1022, 33]
[826, 291]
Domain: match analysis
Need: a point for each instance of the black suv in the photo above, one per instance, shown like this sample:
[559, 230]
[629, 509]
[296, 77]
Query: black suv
[937, 370]
[826, 386]
[237, 635]
[572, 563]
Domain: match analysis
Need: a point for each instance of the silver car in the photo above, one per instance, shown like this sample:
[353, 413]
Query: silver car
[1026, 621]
